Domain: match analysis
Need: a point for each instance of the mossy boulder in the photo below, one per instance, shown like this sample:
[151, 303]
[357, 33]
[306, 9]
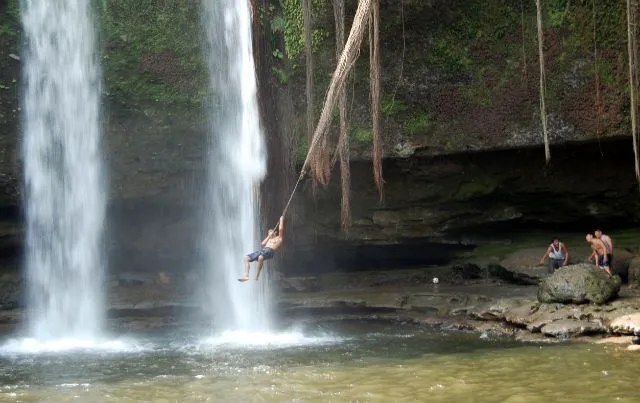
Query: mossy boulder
[578, 284]
[634, 272]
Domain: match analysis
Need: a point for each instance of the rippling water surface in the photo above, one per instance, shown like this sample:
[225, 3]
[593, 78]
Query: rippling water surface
[358, 362]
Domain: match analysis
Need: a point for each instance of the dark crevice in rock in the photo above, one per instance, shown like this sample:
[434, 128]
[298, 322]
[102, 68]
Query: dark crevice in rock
[335, 311]
[168, 311]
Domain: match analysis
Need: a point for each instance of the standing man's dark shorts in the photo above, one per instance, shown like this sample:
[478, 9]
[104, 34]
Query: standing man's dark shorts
[266, 253]
[609, 258]
[554, 264]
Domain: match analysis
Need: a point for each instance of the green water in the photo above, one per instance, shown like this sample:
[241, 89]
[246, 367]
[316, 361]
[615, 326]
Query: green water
[346, 363]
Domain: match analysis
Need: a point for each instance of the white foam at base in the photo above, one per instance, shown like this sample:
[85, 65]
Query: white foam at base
[266, 340]
[34, 346]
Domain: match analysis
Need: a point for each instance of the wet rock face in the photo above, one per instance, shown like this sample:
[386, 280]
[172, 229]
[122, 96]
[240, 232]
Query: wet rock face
[578, 284]
[634, 272]
[436, 206]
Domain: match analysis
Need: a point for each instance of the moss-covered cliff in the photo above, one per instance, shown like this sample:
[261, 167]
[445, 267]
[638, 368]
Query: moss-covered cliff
[464, 75]
[456, 75]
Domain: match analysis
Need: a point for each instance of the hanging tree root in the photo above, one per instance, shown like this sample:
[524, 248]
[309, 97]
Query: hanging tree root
[374, 42]
[543, 108]
[633, 75]
[338, 79]
[343, 137]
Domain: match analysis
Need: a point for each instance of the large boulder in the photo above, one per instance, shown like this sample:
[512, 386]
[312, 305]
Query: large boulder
[621, 261]
[578, 284]
[634, 272]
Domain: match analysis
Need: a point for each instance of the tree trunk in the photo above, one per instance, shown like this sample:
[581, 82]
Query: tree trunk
[543, 108]
[631, 45]
[374, 42]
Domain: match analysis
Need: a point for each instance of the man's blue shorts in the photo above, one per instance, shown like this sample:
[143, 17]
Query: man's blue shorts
[601, 261]
[266, 253]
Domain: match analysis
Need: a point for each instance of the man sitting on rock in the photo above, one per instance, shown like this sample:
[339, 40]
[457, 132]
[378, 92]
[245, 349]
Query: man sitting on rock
[608, 243]
[558, 255]
[269, 245]
[599, 252]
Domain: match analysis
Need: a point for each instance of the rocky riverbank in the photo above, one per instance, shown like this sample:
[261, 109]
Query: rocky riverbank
[500, 303]
[499, 298]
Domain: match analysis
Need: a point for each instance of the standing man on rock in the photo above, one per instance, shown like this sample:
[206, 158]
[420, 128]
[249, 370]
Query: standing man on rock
[599, 252]
[608, 243]
[558, 255]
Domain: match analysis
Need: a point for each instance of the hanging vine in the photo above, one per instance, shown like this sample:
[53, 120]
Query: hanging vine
[524, 50]
[633, 76]
[374, 54]
[543, 108]
[343, 137]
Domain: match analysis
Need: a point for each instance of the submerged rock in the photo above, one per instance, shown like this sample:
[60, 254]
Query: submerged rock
[571, 327]
[578, 284]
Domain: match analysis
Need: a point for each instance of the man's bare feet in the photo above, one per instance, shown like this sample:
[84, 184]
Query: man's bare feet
[244, 278]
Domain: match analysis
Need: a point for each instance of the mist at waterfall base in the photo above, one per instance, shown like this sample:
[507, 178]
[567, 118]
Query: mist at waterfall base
[237, 164]
[64, 178]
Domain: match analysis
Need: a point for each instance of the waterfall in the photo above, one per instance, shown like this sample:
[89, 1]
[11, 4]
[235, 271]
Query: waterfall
[237, 164]
[64, 183]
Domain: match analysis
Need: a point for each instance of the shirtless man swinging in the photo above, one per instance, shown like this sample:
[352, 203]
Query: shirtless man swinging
[599, 252]
[269, 245]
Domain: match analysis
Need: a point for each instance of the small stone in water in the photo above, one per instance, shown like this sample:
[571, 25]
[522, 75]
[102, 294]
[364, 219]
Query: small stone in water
[605, 373]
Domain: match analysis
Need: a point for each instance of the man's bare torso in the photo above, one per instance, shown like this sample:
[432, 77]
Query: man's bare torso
[274, 243]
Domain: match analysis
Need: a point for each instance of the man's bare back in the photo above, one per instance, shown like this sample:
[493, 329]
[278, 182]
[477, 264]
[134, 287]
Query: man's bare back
[600, 252]
[598, 246]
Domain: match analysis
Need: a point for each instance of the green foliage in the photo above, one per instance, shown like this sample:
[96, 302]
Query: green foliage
[9, 19]
[4, 86]
[281, 74]
[450, 58]
[392, 106]
[417, 124]
[362, 135]
[152, 51]
[477, 94]
[556, 12]
[302, 148]
[294, 28]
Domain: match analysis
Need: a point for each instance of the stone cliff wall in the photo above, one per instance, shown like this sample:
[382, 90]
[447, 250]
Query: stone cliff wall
[457, 77]
[435, 207]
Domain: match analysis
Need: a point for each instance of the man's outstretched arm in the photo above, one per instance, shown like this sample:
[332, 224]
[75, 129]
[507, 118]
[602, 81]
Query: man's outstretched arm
[566, 254]
[281, 227]
[546, 254]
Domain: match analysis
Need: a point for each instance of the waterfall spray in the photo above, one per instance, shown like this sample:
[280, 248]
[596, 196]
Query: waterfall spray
[237, 164]
[64, 180]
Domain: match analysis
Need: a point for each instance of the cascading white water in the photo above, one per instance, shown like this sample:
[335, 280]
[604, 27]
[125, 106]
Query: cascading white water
[237, 164]
[64, 182]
